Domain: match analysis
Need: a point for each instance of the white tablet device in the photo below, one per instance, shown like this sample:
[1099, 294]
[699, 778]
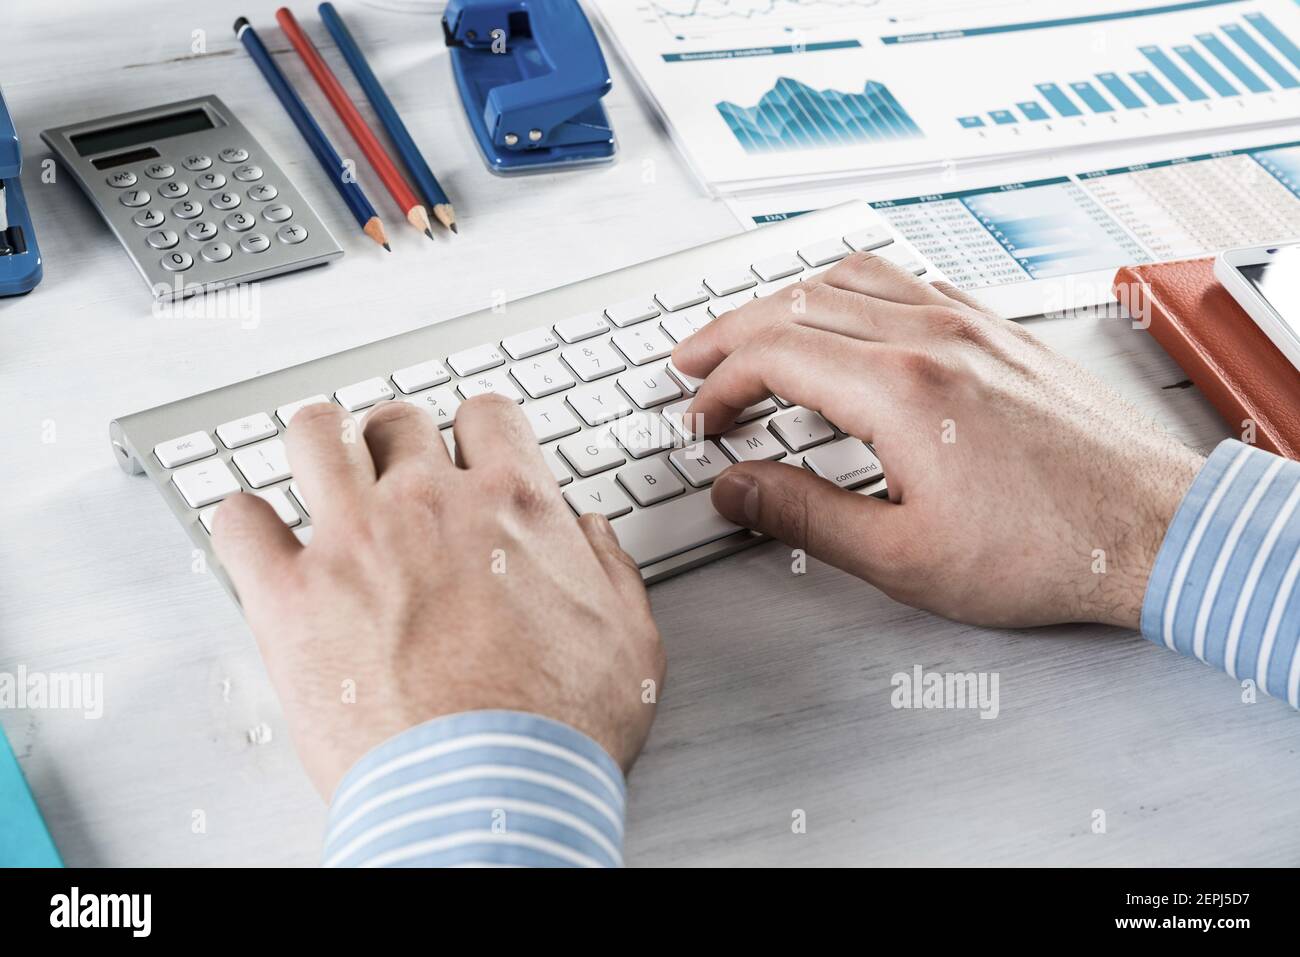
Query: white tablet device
[1265, 281]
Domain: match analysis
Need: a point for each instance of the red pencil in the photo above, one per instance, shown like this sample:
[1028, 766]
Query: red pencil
[391, 177]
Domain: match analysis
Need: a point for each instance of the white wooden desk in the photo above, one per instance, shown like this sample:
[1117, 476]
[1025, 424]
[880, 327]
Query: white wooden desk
[779, 686]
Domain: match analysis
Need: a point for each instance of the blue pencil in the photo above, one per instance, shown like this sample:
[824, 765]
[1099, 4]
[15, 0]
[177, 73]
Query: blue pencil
[439, 204]
[339, 174]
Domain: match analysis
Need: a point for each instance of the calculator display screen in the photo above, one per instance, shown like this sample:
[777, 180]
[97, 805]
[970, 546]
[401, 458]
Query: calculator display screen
[141, 131]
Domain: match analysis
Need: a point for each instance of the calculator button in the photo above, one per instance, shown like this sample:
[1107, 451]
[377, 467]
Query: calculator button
[197, 162]
[233, 154]
[187, 209]
[135, 197]
[121, 180]
[216, 252]
[292, 234]
[263, 192]
[225, 201]
[148, 218]
[159, 170]
[173, 190]
[239, 222]
[163, 239]
[255, 243]
[177, 262]
[277, 213]
[210, 181]
[201, 231]
[249, 173]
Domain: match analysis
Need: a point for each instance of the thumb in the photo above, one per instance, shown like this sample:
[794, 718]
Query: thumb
[850, 531]
[618, 564]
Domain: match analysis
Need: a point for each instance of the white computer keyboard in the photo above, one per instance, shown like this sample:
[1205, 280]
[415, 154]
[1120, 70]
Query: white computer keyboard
[590, 365]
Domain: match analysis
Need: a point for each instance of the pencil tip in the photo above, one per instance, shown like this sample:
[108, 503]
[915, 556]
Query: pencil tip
[454, 229]
[388, 247]
[429, 233]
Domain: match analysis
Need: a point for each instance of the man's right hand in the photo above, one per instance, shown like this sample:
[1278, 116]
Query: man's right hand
[1022, 490]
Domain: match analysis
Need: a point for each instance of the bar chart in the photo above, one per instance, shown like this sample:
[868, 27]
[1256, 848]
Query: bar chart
[793, 115]
[1249, 56]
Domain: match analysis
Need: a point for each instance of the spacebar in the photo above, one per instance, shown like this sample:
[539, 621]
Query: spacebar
[653, 534]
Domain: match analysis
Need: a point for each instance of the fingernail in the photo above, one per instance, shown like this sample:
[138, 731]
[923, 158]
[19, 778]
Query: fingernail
[735, 495]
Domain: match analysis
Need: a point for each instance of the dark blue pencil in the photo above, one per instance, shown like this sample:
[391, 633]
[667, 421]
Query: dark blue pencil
[337, 171]
[439, 204]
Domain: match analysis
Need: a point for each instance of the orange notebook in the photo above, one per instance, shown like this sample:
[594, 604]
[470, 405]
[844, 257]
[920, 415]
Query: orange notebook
[1220, 348]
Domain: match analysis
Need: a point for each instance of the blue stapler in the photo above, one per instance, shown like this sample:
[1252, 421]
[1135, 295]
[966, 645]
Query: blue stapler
[531, 76]
[20, 259]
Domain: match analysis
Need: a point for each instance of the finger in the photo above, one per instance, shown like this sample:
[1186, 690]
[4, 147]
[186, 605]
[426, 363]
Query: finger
[846, 313]
[697, 355]
[329, 458]
[878, 277]
[402, 436]
[253, 545]
[491, 430]
[857, 533]
[618, 564]
[818, 370]
[952, 292]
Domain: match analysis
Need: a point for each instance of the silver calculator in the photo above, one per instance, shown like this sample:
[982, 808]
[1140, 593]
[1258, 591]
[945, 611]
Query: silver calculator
[197, 202]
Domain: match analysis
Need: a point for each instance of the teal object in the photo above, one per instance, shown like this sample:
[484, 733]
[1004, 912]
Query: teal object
[24, 840]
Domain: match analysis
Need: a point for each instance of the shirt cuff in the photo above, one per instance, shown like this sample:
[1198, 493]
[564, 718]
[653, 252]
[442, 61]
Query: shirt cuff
[1223, 587]
[482, 788]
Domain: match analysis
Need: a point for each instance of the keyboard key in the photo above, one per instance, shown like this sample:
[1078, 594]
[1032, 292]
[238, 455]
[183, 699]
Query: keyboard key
[599, 404]
[681, 297]
[562, 475]
[297, 497]
[726, 283]
[758, 409]
[723, 306]
[251, 428]
[593, 361]
[634, 310]
[422, 375]
[541, 377]
[688, 382]
[598, 495]
[777, 267]
[205, 483]
[649, 387]
[362, 395]
[873, 237]
[801, 429]
[286, 412]
[476, 360]
[752, 443]
[188, 448]
[551, 419]
[439, 403]
[531, 343]
[263, 464]
[277, 500]
[848, 463]
[700, 464]
[591, 452]
[824, 253]
[304, 534]
[642, 434]
[500, 383]
[650, 482]
[675, 414]
[678, 327]
[903, 257]
[643, 344]
[671, 528]
[582, 327]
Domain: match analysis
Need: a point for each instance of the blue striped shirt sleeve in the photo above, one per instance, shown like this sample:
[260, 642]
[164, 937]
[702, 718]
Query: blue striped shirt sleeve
[1223, 587]
[482, 788]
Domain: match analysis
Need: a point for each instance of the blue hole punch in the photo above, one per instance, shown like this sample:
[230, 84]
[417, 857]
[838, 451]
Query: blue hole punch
[531, 76]
[20, 259]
